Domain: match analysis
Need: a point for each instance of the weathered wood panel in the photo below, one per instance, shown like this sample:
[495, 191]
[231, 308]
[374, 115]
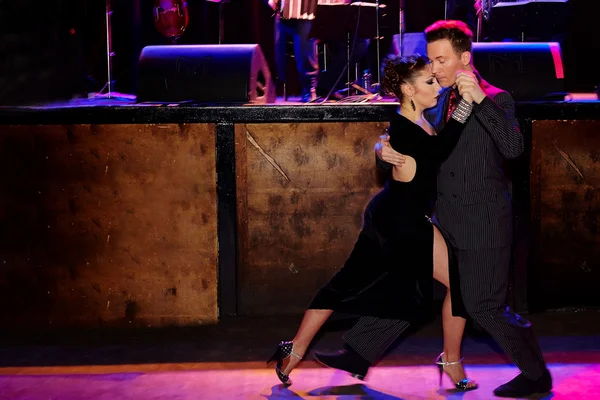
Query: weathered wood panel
[107, 225]
[565, 195]
[302, 220]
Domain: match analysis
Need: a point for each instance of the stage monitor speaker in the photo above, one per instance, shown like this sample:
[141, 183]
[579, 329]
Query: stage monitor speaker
[529, 71]
[224, 74]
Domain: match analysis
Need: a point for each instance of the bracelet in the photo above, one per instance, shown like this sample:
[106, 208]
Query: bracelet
[463, 111]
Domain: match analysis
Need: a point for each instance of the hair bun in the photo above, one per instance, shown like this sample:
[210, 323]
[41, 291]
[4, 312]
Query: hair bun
[400, 70]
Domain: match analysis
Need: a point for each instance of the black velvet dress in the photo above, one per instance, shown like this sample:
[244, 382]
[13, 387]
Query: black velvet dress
[389, 273]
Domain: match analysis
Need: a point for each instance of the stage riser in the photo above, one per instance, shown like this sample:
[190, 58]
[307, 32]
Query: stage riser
[565, 214]
[298, 224]
[180, 224]
[108, 225]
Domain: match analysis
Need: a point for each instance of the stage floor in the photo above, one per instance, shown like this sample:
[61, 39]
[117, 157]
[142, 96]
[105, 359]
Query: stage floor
[226, 361]
[240, 381]
[117, 101]
[126, 111]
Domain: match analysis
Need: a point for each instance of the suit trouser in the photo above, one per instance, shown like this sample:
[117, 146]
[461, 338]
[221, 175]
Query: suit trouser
[307, 63]
[484, 283]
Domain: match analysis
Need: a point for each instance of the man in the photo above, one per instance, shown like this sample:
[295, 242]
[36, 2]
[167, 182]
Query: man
[293, 19]
[473, 207]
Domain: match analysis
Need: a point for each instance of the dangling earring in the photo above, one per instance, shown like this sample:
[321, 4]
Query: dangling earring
[412, 104]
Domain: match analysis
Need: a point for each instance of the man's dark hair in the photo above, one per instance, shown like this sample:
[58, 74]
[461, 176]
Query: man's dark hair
[457, 32]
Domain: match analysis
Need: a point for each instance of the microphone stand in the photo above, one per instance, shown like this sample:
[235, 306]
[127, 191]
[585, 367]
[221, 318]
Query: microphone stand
[378, 42]
[109, 52]
[109, 56]
[401, 28]
[479, 26]
[222, 20]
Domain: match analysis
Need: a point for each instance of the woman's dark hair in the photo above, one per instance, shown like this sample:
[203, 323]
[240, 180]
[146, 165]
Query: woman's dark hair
[400, 70]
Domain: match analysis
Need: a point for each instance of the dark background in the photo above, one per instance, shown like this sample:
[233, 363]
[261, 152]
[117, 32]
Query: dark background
[53, 48]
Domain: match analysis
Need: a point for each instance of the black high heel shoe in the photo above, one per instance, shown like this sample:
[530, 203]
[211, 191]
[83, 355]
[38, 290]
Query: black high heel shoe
[461, 385]
[284, 350]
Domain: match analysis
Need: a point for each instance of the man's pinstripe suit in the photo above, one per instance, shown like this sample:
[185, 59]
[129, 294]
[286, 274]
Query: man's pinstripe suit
[474, 210]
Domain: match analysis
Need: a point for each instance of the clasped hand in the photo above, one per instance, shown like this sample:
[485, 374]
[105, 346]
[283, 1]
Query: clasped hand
[470, 91]
[468, 87]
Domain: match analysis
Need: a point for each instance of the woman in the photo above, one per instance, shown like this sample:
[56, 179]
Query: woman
[388, 274]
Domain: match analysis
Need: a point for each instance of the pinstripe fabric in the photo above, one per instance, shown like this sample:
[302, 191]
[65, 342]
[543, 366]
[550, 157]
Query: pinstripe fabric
[484, 282]
[473, 203]
[372, 334]
[474, 209]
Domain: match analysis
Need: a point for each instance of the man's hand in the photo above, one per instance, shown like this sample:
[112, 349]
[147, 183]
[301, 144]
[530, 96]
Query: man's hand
[386, 153]
[273, 4]
[467, 97]
[467, 84]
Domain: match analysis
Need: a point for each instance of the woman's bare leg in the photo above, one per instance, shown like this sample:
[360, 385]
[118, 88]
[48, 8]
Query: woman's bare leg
[312, 321]
[454, 327]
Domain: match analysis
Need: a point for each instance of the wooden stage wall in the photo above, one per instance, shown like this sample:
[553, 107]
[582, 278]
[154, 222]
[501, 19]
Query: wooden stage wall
[302, 190]
[106, 225]
[124, 224]
[565, 214]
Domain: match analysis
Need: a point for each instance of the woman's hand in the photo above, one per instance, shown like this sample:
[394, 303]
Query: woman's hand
[385, 152]
[467, 97]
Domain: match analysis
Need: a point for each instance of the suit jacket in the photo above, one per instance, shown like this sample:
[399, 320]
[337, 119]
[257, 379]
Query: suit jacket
[473, 205]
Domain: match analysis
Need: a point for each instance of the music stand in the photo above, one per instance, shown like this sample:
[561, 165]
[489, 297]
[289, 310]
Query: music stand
[339, 21]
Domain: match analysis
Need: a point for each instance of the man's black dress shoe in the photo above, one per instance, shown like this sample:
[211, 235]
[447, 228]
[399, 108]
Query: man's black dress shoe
[346, 360]
[521, 386]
